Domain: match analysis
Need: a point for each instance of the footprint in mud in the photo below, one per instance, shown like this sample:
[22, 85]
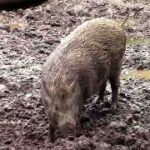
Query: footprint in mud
[93, 111]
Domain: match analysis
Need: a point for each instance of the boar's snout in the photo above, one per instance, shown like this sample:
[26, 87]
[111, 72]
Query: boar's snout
[68, 129]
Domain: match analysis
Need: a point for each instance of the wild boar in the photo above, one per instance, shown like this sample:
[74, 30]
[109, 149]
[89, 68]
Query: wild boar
[80, 67]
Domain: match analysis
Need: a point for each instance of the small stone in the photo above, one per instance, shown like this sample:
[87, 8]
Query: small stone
[136, 128]
[141, 144]
[28, 95]
[119, 147]
[121, 126]
[3, 90]
[7, 108]
[136, 111]
[129, 140]
[95, 138]
[80, 10]
[129, 119]
[136, 117]
[13, 86]
[143, 133]
[8, 141]
[120, 139]
[71, 12]
[4, 148]
[103, 146]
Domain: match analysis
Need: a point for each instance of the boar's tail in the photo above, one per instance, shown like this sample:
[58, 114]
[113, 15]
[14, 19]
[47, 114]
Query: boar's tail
[126, 18]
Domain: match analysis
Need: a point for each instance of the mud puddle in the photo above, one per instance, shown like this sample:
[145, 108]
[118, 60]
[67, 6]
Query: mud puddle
[136, 74]
[138, 41]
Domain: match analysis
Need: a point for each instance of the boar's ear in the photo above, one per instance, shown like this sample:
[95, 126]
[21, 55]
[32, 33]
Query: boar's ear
[74, 86]
[70, 87]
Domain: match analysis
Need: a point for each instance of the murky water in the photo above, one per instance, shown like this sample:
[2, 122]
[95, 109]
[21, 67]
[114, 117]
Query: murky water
[138, 41]
[136, 74]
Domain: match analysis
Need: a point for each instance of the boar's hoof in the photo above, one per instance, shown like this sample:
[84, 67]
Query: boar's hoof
[114, 107]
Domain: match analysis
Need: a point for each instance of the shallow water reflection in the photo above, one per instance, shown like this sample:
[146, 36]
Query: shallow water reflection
[136, 74]
[138, 41]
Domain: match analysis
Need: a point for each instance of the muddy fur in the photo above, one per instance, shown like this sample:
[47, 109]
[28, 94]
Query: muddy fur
[80, 67]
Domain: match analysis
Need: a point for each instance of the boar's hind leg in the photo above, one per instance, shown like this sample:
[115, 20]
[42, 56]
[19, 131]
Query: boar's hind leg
[115, 83]
[102, 91]
[51, 133]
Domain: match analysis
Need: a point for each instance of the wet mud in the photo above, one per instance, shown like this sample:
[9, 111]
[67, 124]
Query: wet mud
[28, 36]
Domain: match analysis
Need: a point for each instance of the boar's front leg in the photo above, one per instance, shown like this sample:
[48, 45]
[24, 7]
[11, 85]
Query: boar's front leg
[102, 91]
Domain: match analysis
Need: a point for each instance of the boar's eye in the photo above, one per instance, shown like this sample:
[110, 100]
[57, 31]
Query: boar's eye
[56, 107]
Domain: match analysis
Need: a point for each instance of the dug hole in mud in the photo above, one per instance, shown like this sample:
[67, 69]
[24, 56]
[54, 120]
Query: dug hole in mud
[28, 37]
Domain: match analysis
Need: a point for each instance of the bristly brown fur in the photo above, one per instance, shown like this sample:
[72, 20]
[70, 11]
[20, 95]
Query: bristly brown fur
[80, 67]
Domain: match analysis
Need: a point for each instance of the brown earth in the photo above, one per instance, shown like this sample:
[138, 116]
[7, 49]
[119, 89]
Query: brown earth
[28, 36]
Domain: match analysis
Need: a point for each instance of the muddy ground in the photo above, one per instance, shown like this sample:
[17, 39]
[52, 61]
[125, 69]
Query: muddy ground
[28, 37]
